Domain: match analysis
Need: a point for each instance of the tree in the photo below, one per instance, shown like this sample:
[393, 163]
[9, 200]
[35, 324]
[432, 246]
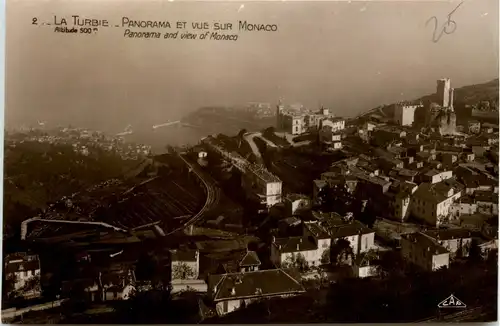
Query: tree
[475, 254]
[342, 252]
[182, 271]
[296, 261]
[301, 262]
[325, 256]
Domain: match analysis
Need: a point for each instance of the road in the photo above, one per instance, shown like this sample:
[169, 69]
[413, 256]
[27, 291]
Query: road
[289, 139]
[250, 136]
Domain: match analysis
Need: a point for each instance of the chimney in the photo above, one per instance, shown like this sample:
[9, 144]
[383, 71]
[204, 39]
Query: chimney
[233, 291]
[274, 239]
[298, 246]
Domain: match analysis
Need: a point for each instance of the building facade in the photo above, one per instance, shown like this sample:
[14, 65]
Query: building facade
[431, 203]
[22, 275]
[185, 264]
[404, 114]
[421, 251]
[262, 186]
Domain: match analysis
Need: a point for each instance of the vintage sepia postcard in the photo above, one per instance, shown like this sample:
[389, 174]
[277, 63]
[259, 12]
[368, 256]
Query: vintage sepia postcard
[250, 162]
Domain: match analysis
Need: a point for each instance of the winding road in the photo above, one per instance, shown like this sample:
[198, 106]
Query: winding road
[249, 137]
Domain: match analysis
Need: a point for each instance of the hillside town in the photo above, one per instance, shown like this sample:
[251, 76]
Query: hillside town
[294, 211]
[83, 141]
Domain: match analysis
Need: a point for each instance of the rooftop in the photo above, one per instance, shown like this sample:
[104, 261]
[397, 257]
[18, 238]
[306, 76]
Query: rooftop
[294, 197]
[433, 172]
[184, 255]
[438, 192]
[317, 230]
[232, 261]
[425, 242]
[449, 234]
[262, 173]
[262, 283]
[407, 172]
[294, 244]
[21, 262]
[348, 229]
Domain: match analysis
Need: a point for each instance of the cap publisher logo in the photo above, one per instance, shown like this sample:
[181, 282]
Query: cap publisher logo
[452, 302]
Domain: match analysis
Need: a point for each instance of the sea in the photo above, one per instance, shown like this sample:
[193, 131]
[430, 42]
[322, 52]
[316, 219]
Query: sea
[160, 138]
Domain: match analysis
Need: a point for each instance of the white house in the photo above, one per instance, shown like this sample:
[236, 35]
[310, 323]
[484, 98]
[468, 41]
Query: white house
[22, 272]
[336, 124]
[364, 266]
[185, 264]
[229, 292]
[434, 176]
[262, 186]
[284, 251]
[431, 202]
[296, 203]
[421, 251]
[399, 199]
[331, 229]
[328, 135]
[456, 241]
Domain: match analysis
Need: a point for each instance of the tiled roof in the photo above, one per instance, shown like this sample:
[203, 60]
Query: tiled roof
[293, 197]
[448, 234]
[334, 228]
[424, 242]
[486, 196]
[21, 262]
[250, 258]
[317, 230]
[184, 255]
[261, 283]
[348, 230]
[22, 266]
[320, 183]
[295, 244]
[437, 192]
[231, 261]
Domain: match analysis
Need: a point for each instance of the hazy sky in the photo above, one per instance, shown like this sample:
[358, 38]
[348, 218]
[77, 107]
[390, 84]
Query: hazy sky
[349, 57]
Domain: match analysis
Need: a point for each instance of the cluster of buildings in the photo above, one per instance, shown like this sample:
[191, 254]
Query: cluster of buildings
[260, 185]
[85, 142]
[298, 121]
[442, 183]
[438, 116]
